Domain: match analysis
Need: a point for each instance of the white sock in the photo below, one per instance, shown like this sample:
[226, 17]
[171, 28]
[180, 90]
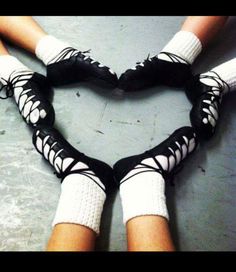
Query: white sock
[81, 202]
[48, 48]
[226, 71]
[8, 65]
[143, 194]
[184, 45]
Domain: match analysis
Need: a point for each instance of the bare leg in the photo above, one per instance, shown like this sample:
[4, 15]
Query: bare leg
[21, 30]
[204, 27]
[3, 50]
[71, 237]
[149, 233]
[24, 31]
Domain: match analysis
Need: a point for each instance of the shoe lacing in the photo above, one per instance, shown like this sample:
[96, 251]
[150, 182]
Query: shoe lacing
[216, 94]
[167, 174]
[69, 52]
[86, 171]
[173, 57]
[11, 84]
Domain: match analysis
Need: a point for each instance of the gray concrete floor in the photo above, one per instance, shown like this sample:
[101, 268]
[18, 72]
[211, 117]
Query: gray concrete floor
[109, 126]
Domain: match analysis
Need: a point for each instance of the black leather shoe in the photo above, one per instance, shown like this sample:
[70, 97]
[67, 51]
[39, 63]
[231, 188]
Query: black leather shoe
[73, 66]
[153, 72]
[206, 101]
[31, 91]
[65, 159]
[166, 158]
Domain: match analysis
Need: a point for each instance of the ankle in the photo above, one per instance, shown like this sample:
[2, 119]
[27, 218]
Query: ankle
[8, 65]
[184, 45]
[48, 47]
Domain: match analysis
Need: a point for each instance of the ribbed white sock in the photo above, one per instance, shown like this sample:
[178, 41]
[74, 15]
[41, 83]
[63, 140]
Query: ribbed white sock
[143, 194]
[81, 202]
[185, 45]
[48, 48]
[226, 71]
[8, 65]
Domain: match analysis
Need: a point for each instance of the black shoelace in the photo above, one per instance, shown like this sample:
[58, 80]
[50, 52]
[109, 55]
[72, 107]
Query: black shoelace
[168, 175]
[173, 57]
[69, 52]
[215, 98]
[10, 83]
[62, 174]
[9, 87]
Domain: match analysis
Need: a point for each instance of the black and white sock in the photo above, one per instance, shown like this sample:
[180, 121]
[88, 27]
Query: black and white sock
[184, 47]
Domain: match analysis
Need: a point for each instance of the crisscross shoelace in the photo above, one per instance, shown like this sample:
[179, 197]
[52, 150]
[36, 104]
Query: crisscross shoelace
[167, 174]
[173, 58]
[216, 95]
[11, 84]
[62, 174]
[69, 52]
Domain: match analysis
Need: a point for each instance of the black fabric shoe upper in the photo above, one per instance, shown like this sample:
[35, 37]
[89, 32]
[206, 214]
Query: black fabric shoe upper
[206, 102]
[80, 67]
[31, 91]
[174, 141]
[55, 149]
[154, 71]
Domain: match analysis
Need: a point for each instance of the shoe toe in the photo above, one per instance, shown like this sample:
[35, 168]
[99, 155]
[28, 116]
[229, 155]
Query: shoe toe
[104, 77]
[134, 80]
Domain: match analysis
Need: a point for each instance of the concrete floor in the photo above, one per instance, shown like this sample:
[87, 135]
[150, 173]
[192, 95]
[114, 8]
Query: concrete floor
[109, 126]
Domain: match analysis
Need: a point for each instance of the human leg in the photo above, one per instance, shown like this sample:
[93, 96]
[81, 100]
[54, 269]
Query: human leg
[85, 183]
[64, 63]
[206, 28]
[141, 179]
[172, 66]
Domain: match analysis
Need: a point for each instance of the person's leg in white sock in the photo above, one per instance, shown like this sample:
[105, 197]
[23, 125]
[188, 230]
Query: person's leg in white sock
[65, 64]
[141, 179]
[29, 89]
[206, 91]
[85, 183]
[172, 66]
